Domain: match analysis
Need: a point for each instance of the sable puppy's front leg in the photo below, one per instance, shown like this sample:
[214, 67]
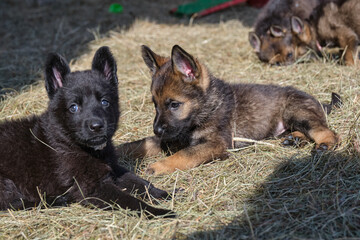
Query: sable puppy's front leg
[146, 147]
[188, 158]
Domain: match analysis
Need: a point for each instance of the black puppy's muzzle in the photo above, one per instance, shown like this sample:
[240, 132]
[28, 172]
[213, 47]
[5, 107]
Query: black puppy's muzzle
[95, 125]
[96, 131]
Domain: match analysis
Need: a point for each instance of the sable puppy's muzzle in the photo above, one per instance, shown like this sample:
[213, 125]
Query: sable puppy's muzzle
[159, 131]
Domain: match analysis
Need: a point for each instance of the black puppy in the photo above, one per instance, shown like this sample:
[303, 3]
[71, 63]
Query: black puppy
[67, 151]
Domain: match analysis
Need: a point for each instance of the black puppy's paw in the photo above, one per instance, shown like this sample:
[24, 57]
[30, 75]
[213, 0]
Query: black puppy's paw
[159, 194]
[151, 212]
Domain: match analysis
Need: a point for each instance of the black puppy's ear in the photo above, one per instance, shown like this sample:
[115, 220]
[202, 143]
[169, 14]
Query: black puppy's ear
[105, 63]
[151, 59]
[254, 41]
[185, 64]
[56, 68]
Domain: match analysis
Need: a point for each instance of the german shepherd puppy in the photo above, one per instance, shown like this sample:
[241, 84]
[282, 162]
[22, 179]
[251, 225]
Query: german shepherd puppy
[197, 114]
[272, 39]
[66, 154]
[336, 22]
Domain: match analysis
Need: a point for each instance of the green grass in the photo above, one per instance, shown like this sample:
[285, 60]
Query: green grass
[261, 192]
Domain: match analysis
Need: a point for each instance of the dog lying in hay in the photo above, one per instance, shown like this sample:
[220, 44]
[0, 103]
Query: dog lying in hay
[272, 38]
[336, 22]
[66, 154]
[198, 115]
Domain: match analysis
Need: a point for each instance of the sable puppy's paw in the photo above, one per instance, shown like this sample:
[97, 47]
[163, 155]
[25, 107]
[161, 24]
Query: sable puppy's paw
[320, 149]
[159, 168]
[293, 141]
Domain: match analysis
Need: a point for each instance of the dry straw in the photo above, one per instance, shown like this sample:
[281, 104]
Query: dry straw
[261, 192]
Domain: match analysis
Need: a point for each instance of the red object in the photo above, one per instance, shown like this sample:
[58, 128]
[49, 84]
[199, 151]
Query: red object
[257, 3]
[253, 3]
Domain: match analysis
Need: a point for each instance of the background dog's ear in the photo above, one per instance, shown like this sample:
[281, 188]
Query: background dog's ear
[56, 68]
[277, 31]
[184, 63]
[105, 63]
[297, 25]
[301, 29]
[151, 59]
[254, 41]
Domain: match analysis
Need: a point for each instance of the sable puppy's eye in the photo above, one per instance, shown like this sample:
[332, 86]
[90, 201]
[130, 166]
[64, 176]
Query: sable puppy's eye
[105, 103]
[174, 105]
[74, 108]
[289, 55]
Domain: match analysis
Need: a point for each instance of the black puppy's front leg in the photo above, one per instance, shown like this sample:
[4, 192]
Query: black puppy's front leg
[130, 182]
[107, 193]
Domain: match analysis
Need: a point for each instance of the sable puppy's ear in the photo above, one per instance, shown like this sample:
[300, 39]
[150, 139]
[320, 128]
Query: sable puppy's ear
[297, 25]
[56, 68]
[105, 63]
[151, 59]
[254, 41]
[277, 31]
[184, 63]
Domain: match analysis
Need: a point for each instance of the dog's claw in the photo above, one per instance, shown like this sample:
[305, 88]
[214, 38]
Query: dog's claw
[292, 141]
[286, 142]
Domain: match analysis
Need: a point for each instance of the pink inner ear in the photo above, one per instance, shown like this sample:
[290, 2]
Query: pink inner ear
[58, 78]
[296, 25]
[107, 70]
[187, 70]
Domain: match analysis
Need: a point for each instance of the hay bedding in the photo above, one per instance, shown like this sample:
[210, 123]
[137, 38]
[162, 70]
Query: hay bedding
[260, 192]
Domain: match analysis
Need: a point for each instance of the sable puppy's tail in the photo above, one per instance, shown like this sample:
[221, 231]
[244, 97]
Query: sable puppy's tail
[335, 102]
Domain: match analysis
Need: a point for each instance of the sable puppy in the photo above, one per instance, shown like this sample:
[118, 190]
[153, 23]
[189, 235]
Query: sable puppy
[336, 22]
[272, 38]
[197, 115]
[66, 154]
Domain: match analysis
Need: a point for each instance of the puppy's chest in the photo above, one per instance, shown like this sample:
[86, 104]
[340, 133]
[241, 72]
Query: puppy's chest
[83, 168]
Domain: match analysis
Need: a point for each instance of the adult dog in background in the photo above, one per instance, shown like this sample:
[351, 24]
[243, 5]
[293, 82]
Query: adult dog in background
[66, 154]
[197, 115]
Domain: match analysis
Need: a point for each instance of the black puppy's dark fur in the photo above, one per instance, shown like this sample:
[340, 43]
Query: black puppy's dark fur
[67, 151]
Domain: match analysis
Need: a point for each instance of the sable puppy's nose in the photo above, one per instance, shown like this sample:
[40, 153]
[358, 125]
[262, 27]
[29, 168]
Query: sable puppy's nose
[96, 125]
[159, 131]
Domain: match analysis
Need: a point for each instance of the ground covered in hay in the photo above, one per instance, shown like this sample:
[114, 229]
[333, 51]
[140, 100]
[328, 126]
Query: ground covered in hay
[261, 192]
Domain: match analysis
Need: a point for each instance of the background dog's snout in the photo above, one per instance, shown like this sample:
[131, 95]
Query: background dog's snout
[96, 125]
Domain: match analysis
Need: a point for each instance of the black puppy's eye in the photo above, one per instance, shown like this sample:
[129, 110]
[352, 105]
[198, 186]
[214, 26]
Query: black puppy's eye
[74, 108]
[174, 105]
[105, 103]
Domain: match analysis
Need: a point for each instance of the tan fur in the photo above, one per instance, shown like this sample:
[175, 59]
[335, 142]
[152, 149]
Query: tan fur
[323, 136]
[139, 149]
[188, 158]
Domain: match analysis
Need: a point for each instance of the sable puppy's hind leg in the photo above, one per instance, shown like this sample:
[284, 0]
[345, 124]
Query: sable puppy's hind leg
[304, 114]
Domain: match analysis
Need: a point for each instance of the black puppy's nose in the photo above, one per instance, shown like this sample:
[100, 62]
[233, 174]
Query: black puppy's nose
[159, 130]
[96, 125]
